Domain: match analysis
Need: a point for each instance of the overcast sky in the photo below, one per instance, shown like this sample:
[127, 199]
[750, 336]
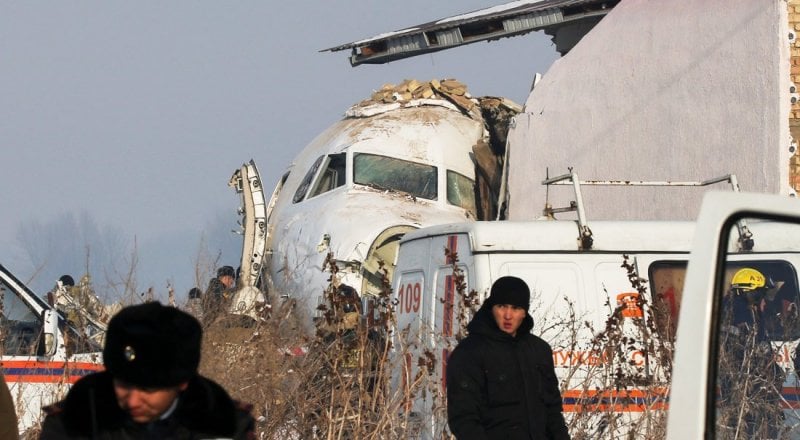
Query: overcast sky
[132, 116]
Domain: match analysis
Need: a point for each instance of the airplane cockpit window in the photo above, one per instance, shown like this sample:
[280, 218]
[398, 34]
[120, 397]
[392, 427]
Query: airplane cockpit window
[461, 191]
[275, 193]
[332, 176]
[300, 194]
[20, 327]
[389, 173]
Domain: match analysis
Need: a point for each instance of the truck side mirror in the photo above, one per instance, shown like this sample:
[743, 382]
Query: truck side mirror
[50, 331]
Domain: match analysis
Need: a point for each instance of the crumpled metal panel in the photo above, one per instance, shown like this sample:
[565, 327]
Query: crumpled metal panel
[507, 20]
[406, 43]
[449, 37]
[533, 21]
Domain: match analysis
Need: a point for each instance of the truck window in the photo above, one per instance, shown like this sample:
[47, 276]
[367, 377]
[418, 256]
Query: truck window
[666, 283]
[667, 278]
[20, 327]
[332, 176]
[754, 332]
[778, 307]
[461, 191]
[389, 173]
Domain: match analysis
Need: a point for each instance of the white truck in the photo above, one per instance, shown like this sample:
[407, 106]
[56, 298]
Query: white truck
[605, 295]
[41, 353]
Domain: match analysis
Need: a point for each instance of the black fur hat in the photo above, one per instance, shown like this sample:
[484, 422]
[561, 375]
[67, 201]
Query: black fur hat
[152, 346]
[510, 290]
[226, 271]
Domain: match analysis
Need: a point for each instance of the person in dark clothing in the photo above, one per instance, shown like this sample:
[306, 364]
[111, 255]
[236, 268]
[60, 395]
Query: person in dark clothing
[150, 388]
[501, 381]
[751, 321]
[8, 415]
[219, 288]
[218, 293]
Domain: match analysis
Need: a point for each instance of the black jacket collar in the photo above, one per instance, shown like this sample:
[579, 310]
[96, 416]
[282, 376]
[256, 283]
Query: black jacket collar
[91, 406]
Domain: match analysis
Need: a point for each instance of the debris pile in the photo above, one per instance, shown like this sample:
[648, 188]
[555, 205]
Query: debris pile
[495, 113]
[410, 90]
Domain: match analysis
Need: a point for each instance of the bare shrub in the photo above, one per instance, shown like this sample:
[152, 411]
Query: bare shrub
[334, 384]
[618, 385]
[346, 381]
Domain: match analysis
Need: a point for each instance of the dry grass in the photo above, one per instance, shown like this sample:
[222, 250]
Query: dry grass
[341, 386]
[338, 389]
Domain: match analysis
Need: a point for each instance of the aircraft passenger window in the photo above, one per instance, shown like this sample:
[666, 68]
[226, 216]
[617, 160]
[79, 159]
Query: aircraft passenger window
[388, 173]
[300, 194]
[332, 176]
[461, 192]
[20, 327]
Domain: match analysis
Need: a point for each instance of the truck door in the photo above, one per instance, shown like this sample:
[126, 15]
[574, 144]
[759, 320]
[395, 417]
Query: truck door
[734, 368]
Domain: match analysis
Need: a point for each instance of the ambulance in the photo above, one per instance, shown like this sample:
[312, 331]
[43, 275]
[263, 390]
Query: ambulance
[41, 354]
[606, 295]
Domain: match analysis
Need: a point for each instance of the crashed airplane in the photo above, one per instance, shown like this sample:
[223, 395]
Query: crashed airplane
[412, 155]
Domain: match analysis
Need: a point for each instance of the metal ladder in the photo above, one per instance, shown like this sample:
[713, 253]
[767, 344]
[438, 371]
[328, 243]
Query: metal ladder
[585, 239]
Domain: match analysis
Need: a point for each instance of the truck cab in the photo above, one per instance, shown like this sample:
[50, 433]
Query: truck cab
[41, 353]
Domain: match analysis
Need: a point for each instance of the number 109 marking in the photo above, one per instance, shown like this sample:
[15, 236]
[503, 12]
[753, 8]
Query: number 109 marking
[409, 298]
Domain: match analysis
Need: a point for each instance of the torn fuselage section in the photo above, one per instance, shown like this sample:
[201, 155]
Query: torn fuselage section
[412, 155]
[566, 21]
[249, 299]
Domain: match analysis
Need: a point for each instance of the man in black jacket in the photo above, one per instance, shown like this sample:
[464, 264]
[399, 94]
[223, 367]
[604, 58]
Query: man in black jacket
[151, 388]
[501, 381]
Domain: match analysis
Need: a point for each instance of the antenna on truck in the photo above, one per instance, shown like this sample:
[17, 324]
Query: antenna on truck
[585, 240]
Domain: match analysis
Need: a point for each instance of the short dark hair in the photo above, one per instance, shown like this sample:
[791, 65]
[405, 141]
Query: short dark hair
[226, 271]
[66, 280]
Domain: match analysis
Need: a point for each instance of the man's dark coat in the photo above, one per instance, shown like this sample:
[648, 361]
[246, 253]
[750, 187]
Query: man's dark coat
[90, 411]
[501, 386]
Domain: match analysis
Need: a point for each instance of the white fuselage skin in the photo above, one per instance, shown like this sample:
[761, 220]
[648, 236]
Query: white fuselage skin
[346, 219]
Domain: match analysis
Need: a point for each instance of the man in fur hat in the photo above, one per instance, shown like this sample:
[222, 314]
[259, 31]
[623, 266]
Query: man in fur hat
[220, 289]
[501, 381]
[151, 388]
